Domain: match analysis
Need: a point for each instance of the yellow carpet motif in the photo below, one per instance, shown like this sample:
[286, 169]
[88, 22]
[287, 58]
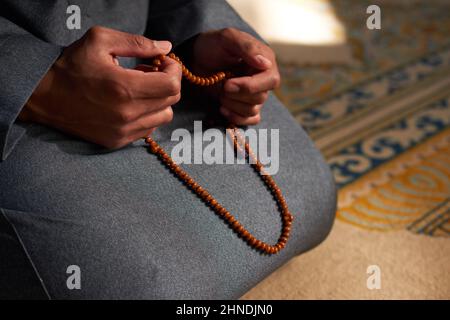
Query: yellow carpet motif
[412, 191]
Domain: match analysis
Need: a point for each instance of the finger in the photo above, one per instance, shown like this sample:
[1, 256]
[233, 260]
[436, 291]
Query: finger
[239, 120]
[144, 133]
[141, 108]
[145, 68]
[143, 124]
[149, 85]
[264, 81]
[255, 98]
[241, 108]
[118, 43]
[245, 46]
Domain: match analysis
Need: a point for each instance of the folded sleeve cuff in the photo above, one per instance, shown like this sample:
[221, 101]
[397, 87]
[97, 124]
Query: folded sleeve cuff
[24, 61]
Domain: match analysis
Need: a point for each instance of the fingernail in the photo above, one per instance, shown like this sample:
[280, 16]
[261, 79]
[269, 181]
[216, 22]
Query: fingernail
[164, 45]
[263, 60]
[232, 88]
[224, 111]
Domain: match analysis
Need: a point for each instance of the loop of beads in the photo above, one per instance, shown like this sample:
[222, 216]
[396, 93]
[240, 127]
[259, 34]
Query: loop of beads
[241, 145]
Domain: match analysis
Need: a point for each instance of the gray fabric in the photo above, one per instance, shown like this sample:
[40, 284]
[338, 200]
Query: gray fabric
[137, 232]
[131, 226]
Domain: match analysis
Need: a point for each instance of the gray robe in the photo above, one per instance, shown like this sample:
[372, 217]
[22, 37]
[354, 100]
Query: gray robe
[132, 228]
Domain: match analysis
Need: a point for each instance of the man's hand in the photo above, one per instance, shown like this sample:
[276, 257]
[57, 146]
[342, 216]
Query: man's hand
[86, 92]
[242, 97]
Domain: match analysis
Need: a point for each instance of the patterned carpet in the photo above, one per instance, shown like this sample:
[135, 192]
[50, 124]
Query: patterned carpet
[385, 134]
[383, 124]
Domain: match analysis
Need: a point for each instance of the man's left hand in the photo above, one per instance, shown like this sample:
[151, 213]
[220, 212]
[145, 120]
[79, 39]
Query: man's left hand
[252, 62]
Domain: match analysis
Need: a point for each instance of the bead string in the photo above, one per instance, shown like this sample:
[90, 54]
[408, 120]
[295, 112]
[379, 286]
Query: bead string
[242, 146]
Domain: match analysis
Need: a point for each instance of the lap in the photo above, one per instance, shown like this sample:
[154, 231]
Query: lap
[136, 232]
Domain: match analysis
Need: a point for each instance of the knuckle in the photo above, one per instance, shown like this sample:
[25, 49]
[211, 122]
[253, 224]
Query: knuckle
[255, 120]
[254, 111]
[96, 33]
[119, 91]
[250, 88]
[138, 41]
[276, 80]
[175, 99]
[228, 32]
[249, 46]
[261, 97]
[168, 115]
[174, 86]
[123, 116]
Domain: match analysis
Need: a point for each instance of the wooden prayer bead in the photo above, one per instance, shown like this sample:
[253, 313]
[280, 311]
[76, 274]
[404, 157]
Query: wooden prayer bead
[242, 146]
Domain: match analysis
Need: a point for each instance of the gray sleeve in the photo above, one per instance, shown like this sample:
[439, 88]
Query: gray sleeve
[179, 20]
[24, 60]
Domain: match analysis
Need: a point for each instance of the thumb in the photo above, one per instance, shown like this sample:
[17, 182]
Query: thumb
[124, 44]
[252, 56]
[247, 48]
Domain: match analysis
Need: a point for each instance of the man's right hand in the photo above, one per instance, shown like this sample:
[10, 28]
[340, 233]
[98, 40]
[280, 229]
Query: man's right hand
[86, 92]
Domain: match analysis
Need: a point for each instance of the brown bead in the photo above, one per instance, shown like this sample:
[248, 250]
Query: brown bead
[196, 187]
[190, 182]
[264, 247]
[227, 216]
[285, 234]
[258, 166]
[231, 219]
[235, 224]
[252, 241]
[154, 149]
[222, 211]
[258, 244]
[177, 170]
